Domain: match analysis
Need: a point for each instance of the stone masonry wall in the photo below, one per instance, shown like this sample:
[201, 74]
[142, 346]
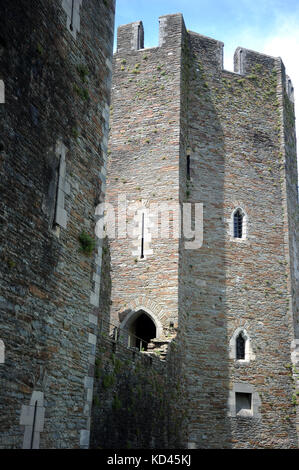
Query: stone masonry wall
[143, 170]
[169, 103]
[54, 123]
[137, 399]
[288, 163]
[238, 131]
[235, 132]
[144, 150]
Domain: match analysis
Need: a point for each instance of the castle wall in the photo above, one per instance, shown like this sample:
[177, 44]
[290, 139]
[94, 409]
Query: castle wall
[237, 129]
[55, 63]
[137, 399]
[288, 163]
[170, 103]
[143, 169]
[235, 132]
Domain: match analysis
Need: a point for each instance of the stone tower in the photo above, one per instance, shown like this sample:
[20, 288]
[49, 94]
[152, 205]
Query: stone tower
[55, 65]
[185, 131]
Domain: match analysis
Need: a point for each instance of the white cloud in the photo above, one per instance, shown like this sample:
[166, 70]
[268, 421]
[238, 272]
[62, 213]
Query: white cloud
[284, 43]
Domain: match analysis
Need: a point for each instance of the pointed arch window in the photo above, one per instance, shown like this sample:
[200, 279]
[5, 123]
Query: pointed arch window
[238, 224]
[240, 346]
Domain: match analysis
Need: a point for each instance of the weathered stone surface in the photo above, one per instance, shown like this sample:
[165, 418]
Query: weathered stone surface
[243, 155]
[64, 315]
[175, 101]
[137, 399]
[57, 87]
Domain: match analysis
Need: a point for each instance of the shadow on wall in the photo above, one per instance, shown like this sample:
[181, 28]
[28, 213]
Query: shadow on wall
[202, 300]
[138, 393]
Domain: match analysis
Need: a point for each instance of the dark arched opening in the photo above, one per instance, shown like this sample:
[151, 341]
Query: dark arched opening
[240, 346]
[238, 224]
[142, 331]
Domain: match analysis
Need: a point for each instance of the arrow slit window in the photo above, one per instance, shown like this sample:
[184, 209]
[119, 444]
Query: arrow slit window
[238, 224]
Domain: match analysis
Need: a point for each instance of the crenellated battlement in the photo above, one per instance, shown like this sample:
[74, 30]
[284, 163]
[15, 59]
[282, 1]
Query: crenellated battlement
[210, 52]
[172, 31]
[130, 37]
[166, 318]
[245, 60]
[185, 132]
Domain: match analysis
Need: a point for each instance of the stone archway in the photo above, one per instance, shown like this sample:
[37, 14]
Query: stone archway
[141, 327]
[141, 331]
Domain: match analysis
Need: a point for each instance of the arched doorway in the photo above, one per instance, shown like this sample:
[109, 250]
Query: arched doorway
[141, 331]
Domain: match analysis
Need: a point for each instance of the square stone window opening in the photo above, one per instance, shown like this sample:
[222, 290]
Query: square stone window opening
[244, 401]
[243, 404]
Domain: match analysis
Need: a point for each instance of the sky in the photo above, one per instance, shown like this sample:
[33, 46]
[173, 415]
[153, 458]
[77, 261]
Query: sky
[266, 26]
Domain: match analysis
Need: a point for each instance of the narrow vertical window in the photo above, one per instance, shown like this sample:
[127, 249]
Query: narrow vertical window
[62, 187]
[138, 37]
[72, 10]
[238, 224]
[2, 92]
[33, 418]
[72, 16]
[56, 192]
[142, 238]
[2, 352]
[188, 167]
[240, 347]
[33, 425]
[241, 64]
